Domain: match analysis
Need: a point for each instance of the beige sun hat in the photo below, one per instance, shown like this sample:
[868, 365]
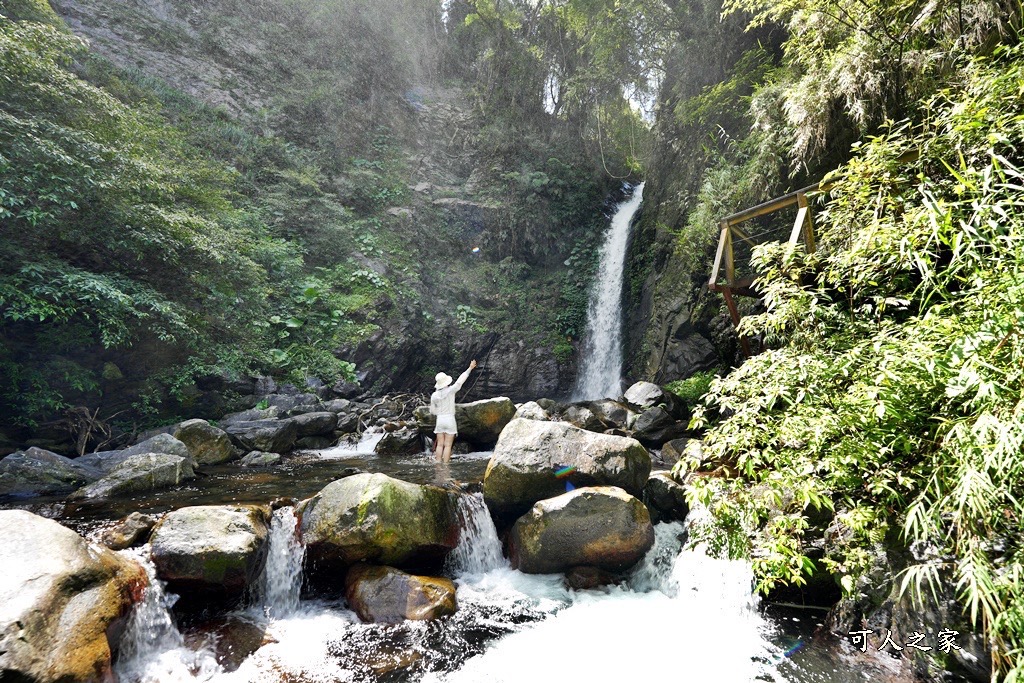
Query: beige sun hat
[441, 380]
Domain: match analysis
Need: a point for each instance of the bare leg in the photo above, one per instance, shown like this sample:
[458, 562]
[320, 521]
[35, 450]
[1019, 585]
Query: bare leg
[438, 445]
[449, 439]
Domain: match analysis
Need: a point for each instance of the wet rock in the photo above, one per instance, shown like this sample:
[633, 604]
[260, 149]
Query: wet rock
[613, 414]
[63, 603]
[276, 436]
[665, 498]
[315, 424]
[583, 417]
[375, 518]
[387, 595]
[207, 444]
[403, 441]
[165, 443]
[531, 410]
[260, 459]
[232, 639]
[139, 473]
[36, 471]
[602, 527]
[480, 421]
[315, 443]
[348, 422]
[529, 453]
[211, 550]
[131, 531]
[587, 578]
[655, 426]
[251, 415]
[548, 404]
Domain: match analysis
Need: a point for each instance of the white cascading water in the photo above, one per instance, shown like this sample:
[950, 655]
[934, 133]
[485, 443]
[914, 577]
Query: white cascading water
[700, 608]
[282, 575]
[152, 648]
[680, 614]
[479, 548]
[600, 372]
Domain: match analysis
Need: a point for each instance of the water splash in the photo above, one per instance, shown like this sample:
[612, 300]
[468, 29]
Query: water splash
[601, 360]
[282, 575]
[152, 649]
[479, 549]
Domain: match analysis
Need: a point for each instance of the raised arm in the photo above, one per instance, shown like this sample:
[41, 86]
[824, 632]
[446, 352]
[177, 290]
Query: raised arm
[463, 377]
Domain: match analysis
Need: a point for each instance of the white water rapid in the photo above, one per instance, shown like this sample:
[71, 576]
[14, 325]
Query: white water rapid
[600, 372]
[680, 615]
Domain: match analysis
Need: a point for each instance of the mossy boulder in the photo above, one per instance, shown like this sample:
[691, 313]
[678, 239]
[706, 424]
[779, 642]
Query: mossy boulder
[138, 474]
[208, 445]
[211, 550]
[376, 518]
[480, 421]
[63, 603]
[533, 460]
[388, 595]
[602, 527]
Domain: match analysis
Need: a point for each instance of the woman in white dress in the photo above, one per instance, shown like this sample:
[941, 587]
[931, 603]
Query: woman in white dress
[442, 404]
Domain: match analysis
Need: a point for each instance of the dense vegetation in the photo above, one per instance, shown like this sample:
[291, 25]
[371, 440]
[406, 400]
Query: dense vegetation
[155, 239]
[887, 406]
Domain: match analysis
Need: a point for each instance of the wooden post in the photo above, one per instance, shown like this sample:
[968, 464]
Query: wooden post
[808, 223]
[730, 266]
[718, 255]
[734, 312]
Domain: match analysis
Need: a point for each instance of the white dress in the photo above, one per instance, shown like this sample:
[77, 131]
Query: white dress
[442, 404]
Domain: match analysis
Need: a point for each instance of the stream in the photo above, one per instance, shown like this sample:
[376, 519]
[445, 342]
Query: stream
[679, 611]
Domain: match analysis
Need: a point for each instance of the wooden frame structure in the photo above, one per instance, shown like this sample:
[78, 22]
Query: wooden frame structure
[803, 231]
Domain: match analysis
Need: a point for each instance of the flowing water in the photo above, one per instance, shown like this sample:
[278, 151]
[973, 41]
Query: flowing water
[679, 613]
[600, 373]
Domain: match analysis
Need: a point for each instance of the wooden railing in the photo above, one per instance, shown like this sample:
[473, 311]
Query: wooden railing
[725, 256]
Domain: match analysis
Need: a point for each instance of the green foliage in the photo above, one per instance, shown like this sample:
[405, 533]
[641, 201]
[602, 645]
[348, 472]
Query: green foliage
[693, 388]
[894, 396]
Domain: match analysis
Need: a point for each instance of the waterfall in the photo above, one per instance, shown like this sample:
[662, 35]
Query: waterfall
[282, 575]
[479, 549]
[152, 649]
[601, 361]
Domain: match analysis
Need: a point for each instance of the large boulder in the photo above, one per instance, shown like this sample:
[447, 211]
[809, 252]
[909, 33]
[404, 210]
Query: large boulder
[387, 595]
[36, 471]
[208, 445]
[579, 415]
[251, 415]
[533, 460]
[315, 423]
[403, 441]
[260, 459]
[137, 474]
[602, 527]
[63, 602]
[375, 518]
[275, 436]
[656, 426]
[162, 442]
[480, 421]
[211, 550]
